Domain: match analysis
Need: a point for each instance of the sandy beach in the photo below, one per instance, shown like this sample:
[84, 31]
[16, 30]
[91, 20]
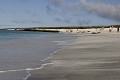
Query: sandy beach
[90, 57]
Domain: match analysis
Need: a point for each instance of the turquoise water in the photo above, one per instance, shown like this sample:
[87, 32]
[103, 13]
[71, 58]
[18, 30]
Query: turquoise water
[20, 50]
[11, 34]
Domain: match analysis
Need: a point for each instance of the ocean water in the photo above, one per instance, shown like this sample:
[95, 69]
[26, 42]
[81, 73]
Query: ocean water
[22, 51]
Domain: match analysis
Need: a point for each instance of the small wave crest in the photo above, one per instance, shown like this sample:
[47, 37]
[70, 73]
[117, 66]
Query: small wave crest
[42, 65]
[11, 70]
[27, 70]
[30, 69]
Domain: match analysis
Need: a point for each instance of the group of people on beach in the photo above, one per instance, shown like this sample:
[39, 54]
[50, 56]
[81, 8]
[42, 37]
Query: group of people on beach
[110, 29]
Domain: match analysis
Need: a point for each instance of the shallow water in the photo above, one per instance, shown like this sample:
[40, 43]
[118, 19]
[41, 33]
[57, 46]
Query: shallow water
[20, 50]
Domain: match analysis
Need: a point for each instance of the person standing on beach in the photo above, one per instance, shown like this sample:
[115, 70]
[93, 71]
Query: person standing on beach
[118, 29]
[110, 29]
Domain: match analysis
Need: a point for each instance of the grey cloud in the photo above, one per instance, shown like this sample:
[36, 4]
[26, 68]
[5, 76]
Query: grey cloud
[63, 20]
[57, 2]
[50, 10]
[74, 6]
[101, 9]
[84, 22]
[55, 7]
[61, 7]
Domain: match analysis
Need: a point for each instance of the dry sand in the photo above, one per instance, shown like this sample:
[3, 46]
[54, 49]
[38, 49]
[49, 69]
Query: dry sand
[90, 57]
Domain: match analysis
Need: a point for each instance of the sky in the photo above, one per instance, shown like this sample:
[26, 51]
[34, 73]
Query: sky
[37, 13]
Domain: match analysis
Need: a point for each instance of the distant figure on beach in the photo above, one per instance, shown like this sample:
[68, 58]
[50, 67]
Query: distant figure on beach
[118, 29]
[110, 29]
[102, 29]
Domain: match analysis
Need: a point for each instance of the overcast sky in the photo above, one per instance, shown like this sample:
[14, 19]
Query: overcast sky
[32, 13]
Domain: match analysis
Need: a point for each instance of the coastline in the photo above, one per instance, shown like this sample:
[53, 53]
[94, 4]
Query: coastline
[90, 57]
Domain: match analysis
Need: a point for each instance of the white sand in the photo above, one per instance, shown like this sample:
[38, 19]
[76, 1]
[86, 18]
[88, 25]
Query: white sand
[90, 57]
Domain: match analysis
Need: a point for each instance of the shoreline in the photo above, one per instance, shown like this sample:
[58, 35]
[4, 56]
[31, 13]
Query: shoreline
[52, 43]
[70, 62]
[45, 61]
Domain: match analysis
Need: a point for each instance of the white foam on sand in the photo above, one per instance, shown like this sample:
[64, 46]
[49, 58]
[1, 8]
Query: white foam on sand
[31, 69]
[11, 70]
[27, 70]
[42, 65]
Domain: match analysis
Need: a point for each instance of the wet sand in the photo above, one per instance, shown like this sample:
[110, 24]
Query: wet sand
[90, 57]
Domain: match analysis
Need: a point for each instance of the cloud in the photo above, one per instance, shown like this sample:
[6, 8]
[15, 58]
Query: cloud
[63, 20]
[57, 2]
[26, 21]
[108, 11]
[74, 6]
[84, 22]
[65, 4]
[50, 10]
[63, 7]
[55, 7]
